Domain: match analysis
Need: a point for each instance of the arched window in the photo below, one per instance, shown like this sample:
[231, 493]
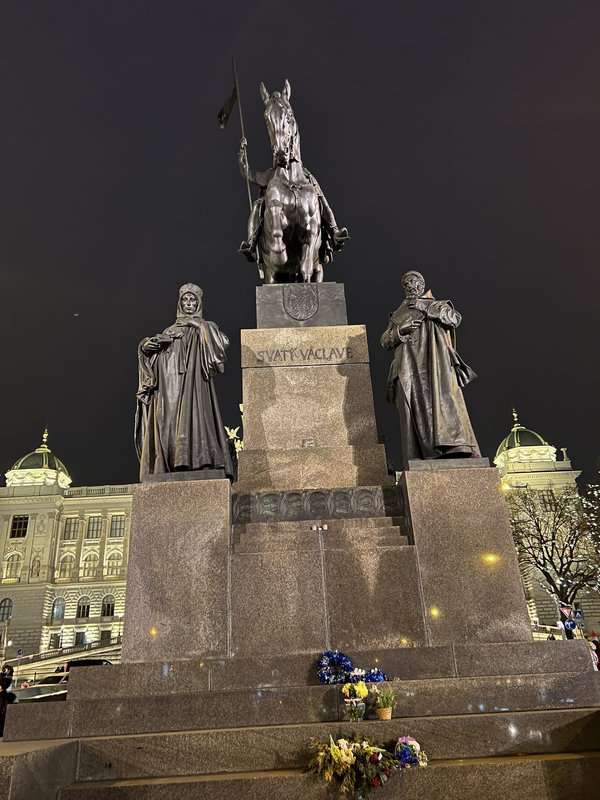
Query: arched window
[6, 609]
[58, 609]
[114, 564]
[108, 606]
[66, 566]
[12, 566]
[83, 608]
[36, 567]
[90, 565]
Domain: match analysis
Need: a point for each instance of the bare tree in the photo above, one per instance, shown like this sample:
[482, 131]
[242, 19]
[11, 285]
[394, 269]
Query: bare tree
[558, 539]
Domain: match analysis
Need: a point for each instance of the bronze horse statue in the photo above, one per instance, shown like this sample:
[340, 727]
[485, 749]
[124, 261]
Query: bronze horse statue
[292, 231]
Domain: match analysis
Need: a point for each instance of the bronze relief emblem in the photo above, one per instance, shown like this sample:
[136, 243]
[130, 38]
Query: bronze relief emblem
[300, 300]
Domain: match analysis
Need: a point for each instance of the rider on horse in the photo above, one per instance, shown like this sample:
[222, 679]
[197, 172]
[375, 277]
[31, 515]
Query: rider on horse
[290, 175]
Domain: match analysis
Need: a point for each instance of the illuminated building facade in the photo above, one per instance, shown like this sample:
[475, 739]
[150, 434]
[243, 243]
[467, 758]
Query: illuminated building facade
[64, 557]
[526, 460]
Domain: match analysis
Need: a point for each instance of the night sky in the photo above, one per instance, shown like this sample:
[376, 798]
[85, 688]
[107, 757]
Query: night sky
[458, 138]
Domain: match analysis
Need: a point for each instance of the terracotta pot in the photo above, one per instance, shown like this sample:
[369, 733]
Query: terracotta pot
[383, 713]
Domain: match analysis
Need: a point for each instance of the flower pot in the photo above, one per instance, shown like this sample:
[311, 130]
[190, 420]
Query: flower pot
[354, 709]
[383, 713]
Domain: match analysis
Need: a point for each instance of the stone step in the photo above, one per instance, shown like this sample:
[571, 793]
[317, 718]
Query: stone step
[311, 540]
[289, 705]
[284, 747]
[298, 669]
[558, 777]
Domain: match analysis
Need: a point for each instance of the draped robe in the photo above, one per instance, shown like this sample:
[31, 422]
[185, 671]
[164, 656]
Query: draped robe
[425, 380]
[178, 423]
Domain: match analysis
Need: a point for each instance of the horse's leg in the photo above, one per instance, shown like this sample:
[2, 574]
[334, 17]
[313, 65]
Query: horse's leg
[269, 271]
[311, 227]
[273, 227]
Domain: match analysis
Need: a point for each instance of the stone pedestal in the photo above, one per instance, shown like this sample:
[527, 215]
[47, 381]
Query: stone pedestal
[309, 420]
[177, 582]
[470, 581]
[300, 305]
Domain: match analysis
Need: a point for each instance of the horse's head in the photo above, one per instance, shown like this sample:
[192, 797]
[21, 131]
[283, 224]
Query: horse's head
[281, 124]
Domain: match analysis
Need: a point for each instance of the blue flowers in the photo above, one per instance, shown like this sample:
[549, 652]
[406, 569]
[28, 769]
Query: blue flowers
[336, 667]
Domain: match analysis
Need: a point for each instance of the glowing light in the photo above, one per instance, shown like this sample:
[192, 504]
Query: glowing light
[490, 559]
[434, 612]
[153, 632]
[404, 642]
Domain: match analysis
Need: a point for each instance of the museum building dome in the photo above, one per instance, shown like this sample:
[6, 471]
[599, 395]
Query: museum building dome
[39, 468]
[523, 444]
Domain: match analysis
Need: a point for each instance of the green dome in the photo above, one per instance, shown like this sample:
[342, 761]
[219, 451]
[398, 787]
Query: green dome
[42, 458]
[520, 437]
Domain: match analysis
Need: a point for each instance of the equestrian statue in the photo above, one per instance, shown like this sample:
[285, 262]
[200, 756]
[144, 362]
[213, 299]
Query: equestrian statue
[292, 231]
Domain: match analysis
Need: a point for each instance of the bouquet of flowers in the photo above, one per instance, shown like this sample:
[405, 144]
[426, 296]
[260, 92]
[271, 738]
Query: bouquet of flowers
[355, 691]
[355, 765]
[409, 754]
[334, 666]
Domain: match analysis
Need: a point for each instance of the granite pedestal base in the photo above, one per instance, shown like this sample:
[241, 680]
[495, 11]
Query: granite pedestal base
[471, 585]
[309, 420]
[177, 589]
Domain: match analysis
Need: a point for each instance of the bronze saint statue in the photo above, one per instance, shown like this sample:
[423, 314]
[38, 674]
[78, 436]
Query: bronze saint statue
[292, 231]
[178, 424]
[427, 376]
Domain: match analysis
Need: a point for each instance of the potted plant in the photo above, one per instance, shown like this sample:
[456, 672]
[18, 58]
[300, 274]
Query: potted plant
[385, 700]
[354, 699]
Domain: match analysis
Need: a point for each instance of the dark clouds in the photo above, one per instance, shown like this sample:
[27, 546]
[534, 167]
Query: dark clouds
[460, 138]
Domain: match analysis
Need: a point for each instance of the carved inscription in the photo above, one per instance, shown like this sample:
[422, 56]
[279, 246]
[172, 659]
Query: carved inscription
[314, 354]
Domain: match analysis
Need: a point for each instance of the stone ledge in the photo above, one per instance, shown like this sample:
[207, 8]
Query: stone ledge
[536, 778]
[298, 705]
[311, 468]
[283, 747]
[404, 663]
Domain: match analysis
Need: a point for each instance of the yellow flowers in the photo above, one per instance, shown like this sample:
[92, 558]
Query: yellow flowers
[355, 690]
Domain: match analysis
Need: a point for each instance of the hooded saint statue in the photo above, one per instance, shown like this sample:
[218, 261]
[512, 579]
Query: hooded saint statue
[178, 424]
[427, 376]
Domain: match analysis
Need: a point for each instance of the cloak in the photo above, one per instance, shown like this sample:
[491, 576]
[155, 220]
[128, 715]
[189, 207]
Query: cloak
[178, 423]
[425, 383]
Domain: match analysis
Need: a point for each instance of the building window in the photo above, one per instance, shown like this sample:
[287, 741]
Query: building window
[18, 528]
[58, 609]
[117, 526]
[36, 567]
[90, 566]
[66, 567]
[94, 527]
[547, 499]
[54, 643]
[114, 564]
[79, 638]
[83, 608]
[6, 609]
[105, 637]
[108, 606]
[12, 567]
[71, 530]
